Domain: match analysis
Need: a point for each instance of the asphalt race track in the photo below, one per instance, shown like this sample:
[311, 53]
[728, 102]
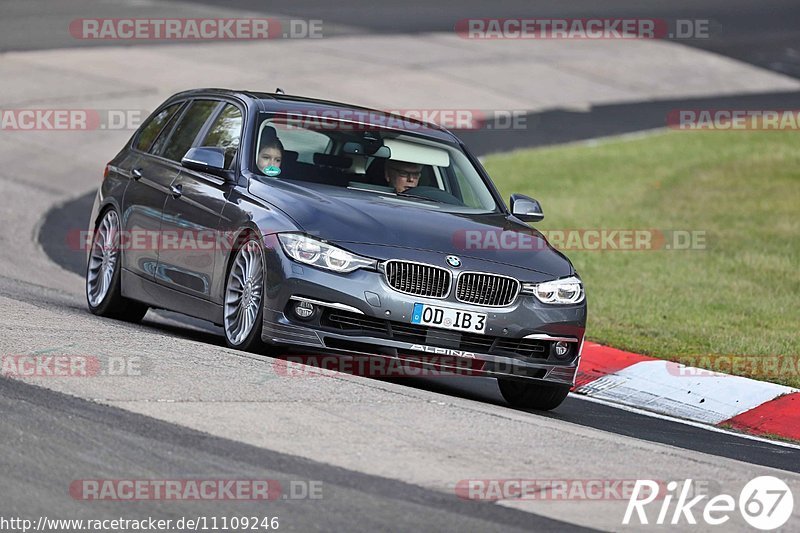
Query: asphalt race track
[37, 415]
[763, 33]
[388, 454]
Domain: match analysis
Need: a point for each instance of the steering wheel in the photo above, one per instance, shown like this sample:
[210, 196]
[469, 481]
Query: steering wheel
[434, 193]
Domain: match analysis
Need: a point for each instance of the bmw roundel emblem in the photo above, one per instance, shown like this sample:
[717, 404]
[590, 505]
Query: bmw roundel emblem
[453, 261]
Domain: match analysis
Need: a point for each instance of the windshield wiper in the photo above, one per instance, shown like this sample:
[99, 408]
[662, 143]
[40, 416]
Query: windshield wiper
[420, 197]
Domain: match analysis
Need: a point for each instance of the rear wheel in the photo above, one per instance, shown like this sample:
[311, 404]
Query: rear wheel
[540, 396]
[244, 297]
[103, 285]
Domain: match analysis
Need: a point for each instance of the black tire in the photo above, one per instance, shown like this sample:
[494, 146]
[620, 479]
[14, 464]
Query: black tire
[539, 396]
[113, 304]
[252, 342]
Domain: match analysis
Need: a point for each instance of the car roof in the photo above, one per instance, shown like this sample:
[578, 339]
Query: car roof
[277, 102]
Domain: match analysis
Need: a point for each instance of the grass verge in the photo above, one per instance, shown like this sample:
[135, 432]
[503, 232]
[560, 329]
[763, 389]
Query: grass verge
[739, 295]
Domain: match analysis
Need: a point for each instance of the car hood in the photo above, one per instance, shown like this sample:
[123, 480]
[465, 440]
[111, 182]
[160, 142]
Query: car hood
[372, 223]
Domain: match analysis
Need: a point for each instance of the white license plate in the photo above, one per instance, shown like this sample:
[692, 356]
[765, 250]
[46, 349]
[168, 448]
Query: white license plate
[444, 317]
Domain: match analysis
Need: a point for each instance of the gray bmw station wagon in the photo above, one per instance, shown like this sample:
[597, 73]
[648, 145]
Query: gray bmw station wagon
[300, 224]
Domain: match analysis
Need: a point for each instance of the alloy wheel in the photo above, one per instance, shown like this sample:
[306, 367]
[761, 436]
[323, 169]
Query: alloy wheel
[243, 293]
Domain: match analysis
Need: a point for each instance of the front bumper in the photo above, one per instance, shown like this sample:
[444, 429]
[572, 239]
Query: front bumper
[360, 314]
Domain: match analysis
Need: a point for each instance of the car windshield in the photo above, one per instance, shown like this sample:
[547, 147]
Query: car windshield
[359, 158]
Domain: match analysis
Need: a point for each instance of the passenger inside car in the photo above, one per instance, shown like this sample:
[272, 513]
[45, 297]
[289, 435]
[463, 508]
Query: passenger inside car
[270, 157]
[270, 153]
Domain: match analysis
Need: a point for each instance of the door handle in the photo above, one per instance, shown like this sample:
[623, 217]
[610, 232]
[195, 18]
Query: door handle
[176, 190]
[136, 173]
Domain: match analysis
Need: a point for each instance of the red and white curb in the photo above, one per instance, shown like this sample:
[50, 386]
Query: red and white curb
[673, 389]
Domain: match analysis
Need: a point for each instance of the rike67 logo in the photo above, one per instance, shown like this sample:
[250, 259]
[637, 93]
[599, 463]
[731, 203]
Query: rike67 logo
[765, 503]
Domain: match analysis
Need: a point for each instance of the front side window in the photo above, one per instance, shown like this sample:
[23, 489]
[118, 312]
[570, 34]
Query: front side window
[226, 133]
[187, 129]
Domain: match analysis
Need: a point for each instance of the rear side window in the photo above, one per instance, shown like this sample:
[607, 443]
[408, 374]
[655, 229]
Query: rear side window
[154, 126]
[186, 130]
[226, 133]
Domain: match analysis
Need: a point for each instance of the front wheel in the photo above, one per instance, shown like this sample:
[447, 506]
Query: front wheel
[103, 285]
[539, 396]
[244, 297]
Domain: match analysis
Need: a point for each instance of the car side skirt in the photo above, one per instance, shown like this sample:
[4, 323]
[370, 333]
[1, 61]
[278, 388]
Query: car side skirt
[151, 293]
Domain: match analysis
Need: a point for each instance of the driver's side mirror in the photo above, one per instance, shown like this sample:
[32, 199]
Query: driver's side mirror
[208, 159]
[526, 208]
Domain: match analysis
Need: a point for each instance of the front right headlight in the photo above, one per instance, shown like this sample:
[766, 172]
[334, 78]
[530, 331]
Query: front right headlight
[559, 291]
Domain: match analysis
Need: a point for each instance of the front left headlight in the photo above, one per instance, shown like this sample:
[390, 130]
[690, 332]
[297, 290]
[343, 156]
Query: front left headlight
[559, 291]
[305, 249]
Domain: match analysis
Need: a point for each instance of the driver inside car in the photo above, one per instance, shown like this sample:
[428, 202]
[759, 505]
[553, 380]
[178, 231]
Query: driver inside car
[402, 176]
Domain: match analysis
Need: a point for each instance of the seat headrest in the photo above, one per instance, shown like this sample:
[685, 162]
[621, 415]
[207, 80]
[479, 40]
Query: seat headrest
[329, 160]
[376, 172]
[268, 134]
[290, 156]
